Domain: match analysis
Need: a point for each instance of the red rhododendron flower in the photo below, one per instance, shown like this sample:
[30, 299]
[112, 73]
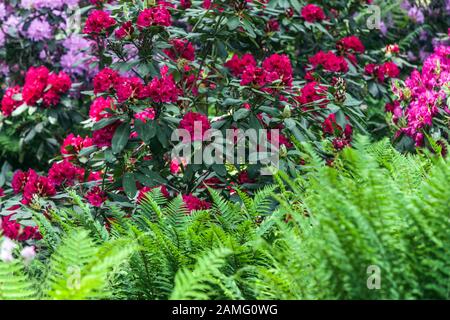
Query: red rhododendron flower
[58, 84]
[196, 124]
[99, 2]
[381, 72]
[155, 16]
[214, 183]
[244, 178]
[272, 25]
[35, 84]
[41, 187]
[129, 88]
[104, 80]
[99, 107]
[311, 93]
[164, 89]
[9, 104]
[278, 67]
[331, 127]
[65, 173]
[340, 143]
[312, 13]
[102, 137]
[238, 65]
[185, 4]
[72, 145]
[14, 230]
[147, 114]
[181, 49]
[254, 76]
[329, 62]
[96, 197]
[125, 30]
[391, 69]
[282, 140]
[176, 164]
[351, 43]
[193, 203]
[21, 178]
[98, 21]
[95, 176]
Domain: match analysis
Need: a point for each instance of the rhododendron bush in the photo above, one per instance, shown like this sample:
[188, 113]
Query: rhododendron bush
[96, 110]
[44, 35]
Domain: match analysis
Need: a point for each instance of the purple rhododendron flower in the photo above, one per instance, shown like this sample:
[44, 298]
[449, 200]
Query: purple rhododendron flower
[416, 15]
[39, 30]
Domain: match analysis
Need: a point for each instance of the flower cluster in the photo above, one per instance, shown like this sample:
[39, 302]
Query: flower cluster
[32, 185]
[155, 16]
[274, 69]
[382, 72]
[424, 97]
[313, 13]
[329, 62]
[98, 22]
[14, 230]
[41, 87]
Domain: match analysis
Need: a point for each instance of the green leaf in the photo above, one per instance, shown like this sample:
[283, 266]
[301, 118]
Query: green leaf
[241, 114]
[129, 185]
[233, 23]
[146, 130]
[121, 136]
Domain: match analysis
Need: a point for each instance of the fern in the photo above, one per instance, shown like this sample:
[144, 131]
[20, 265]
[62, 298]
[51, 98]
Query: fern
[78, 269]
[196, 284]
[14, 284]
